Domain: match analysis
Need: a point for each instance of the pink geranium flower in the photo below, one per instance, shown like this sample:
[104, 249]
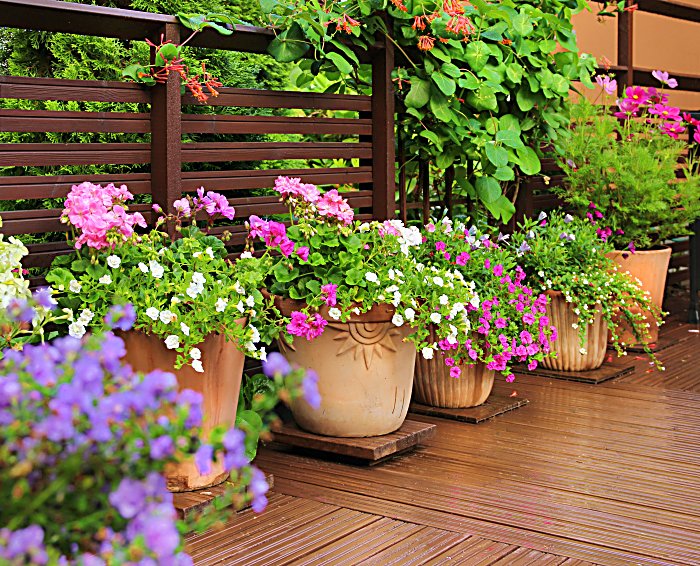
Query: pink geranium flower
[292, 187]
[330, 292]
[333, 205]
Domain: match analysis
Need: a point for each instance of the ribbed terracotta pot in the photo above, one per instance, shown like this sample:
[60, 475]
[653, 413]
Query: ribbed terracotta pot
[567, 346]
[651, 268]
[219, 385]
[434, 386]
[365, 370]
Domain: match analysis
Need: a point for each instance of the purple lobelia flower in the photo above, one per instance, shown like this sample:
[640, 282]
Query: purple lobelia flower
[121, 317]
[276, 364]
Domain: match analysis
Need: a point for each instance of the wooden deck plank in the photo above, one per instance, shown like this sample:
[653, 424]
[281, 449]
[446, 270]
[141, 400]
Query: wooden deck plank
[588, 474]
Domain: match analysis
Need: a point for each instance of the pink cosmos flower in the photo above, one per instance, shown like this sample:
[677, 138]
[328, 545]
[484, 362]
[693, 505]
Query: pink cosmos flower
[333, 205]
[696, 135]
[656, 96]
[628, 108]
[663, 78]
[608, 84]
[637, 94]
[689, 118]
[330, 290]
[671, 113]
[673, 129]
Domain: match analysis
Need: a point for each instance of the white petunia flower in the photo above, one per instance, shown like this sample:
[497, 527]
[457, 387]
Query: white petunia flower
[428, 353]
[197, 255]
[371, 277]
[172, 342]
[114, 261]
[250, 301]
[262, 353]
[152, 313]
[166, 316]
[239, 288]
[185, 329]
[410, 314]
[397, 319]
[475, 302]
[76, 330]
[334, 313]
[105, 279]
[221, 304]
[435, 317]
[444, 299]
[196, 354]
[438, 281]
[255, 337]
[198, 278]
[583, 351]
[246, 255]
[143, 267]
[75, 286]
[364, 227]
[175, 300]
[156, 269]
[197, 366]
[240, 306]
[86, 316]
[209, 252]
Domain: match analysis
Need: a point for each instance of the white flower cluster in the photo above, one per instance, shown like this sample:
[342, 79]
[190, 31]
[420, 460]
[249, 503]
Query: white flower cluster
[12, 284]
[78, 327]
[196, 285]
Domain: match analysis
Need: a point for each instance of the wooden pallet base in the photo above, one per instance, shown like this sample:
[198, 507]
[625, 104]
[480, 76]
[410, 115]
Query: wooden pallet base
[188, 502]
[370, 450]
[494, 405]
[616, 367]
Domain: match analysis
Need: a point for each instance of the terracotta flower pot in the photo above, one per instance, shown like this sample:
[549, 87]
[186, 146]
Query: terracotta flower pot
[567, 346]
[219, 385]
[434, 386]
[651, 268]
[365, 371]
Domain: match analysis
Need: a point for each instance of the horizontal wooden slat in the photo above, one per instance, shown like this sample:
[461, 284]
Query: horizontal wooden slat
[227, 124]
[43, 154]
[58, 186]
[265, 178]
[57, 121]
[285, 99]
[47, 220]
[31, 88]
[241, 151]
[681, 260]
[545, 201]
[678, 277]
[680, 246]
[670, 9]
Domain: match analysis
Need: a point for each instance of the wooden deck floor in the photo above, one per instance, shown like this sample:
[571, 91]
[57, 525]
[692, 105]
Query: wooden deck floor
[603, 474]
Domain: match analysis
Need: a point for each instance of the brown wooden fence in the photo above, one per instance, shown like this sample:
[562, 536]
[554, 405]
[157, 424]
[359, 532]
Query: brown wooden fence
[367, 145]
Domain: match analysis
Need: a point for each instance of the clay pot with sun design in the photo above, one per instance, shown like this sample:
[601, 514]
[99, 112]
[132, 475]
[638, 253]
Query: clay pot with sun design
[365, 368]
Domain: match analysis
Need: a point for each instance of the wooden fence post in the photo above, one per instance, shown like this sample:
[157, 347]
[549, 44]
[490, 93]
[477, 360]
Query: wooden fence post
[625, 48]
[166, 135]
[383, 150]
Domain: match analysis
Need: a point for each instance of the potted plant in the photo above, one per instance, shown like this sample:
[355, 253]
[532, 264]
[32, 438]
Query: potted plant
[503, 323]
[355, 305]
[566, 258]
[196, 311]
[622, 166]
[85, 443]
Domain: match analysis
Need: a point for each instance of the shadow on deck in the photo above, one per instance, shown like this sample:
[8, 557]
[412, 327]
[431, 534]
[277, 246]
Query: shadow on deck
[604, 474]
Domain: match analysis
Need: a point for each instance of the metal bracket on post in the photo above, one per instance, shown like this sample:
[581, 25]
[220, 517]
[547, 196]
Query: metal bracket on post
[166, 135]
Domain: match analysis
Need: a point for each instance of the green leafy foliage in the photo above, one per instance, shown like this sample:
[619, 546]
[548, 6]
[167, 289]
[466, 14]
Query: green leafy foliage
[485, 85]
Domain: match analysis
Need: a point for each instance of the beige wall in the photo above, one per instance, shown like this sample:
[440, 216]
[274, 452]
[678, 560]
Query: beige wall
[659, 43]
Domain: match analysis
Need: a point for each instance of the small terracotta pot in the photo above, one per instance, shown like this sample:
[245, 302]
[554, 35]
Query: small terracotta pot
[219, 385]
[567, 346]
[650, 267]
[365, 370]
[434, 386]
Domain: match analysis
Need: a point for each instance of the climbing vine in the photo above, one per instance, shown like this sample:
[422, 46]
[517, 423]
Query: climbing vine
[481, 86]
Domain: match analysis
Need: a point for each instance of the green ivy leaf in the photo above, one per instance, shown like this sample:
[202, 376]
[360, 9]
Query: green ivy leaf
[510, 138]
[445, 84]
[528, 160]
[340, 62]
[525, 99]
[476, 55]
[419, 94]
[439, 106]
[504, 174]
[483, 99]
[487, 189]
[289, 45]
[522, 24]
[450, 69]
[496, 154]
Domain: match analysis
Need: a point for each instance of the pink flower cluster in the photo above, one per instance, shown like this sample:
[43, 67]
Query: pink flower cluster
[652, 103]
[213, 203]
[99, 213]
[308, 326]
[330, 205]
[274, 234]
[330, 294]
